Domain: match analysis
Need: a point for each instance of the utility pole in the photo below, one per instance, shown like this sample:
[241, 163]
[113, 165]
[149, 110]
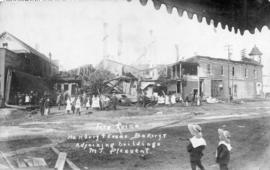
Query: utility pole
[105, 41]
[120, 40]
[177, 52]
[228, 48]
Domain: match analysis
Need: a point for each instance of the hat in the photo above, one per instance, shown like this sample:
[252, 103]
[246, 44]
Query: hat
[224, 135]
[195, 130]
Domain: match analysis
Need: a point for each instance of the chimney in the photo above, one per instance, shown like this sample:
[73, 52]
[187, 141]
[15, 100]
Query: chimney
[105, 40]
[120, 40]
[243, 54]
[37, 46]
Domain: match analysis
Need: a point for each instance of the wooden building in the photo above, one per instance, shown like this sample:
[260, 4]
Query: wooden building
[19, 59]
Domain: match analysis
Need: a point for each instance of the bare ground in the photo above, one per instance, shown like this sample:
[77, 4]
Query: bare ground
[249, 124]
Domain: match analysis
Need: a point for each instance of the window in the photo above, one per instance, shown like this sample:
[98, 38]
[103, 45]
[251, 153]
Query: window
[232, 71]
[5, 45]
[65, 87]
[59, 87]
[255, 74]
[222, 70]
[168, 72]
[178, 70]
[173, 71]
[208, 69]
[235, 90]
[246, 73]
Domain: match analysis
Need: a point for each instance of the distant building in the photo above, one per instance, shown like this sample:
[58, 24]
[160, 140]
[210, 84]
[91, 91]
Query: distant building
[216, 77]
[67, 83]
[20, 63]
[266, 85]
[126, 80]
[222, 78]
[153, 73]
[118, 68]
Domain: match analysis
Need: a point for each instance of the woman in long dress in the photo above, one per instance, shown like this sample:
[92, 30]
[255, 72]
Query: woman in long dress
[47, 107]
[161, 100]
[95, 104]
[78, 106]
[68, 107]
[173, 99]
[167, 100]
[88, 103]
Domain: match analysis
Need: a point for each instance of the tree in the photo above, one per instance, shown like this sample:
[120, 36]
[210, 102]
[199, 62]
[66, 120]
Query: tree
[95, 82]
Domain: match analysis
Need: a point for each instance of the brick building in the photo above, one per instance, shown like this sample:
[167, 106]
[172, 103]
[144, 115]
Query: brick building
[219, 78]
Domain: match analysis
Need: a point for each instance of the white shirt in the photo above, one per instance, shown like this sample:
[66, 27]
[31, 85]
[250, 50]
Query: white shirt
[229, 147]
[196, 142]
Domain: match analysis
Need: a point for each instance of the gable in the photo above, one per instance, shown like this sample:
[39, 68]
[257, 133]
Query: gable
[12, 44]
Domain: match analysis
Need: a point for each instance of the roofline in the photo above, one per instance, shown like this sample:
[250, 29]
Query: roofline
[120, 63]
[178, 62]
[235, 61]
[31, 49]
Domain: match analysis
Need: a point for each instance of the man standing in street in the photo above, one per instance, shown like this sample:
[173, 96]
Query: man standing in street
[114, 101]
[41, 105]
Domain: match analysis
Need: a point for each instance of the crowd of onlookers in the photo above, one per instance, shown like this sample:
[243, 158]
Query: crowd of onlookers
[168, 99]
[26, 98]
[74, 104]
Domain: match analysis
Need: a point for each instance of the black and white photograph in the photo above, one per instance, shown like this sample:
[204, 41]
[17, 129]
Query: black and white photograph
[134, 84]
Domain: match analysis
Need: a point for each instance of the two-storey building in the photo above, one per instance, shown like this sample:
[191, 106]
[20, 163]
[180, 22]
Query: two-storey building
[219, 78]
[22, 68]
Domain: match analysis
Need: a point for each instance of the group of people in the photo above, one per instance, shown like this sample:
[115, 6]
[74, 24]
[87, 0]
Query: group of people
[44, 105]
[197, 144]
[27, 98]
[171, 99]
[97, 102]
[166, 99]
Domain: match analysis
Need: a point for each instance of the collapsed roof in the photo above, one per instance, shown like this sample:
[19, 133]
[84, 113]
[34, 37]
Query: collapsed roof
[240, 15]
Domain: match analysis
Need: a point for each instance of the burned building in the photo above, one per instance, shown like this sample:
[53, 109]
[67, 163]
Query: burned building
[22, 68]
[182, 78]
[219, 78]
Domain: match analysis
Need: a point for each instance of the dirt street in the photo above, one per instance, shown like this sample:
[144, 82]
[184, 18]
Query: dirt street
[25, 134]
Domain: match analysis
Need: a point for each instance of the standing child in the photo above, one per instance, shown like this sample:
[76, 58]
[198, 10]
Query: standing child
[223, 149]
[196, 146]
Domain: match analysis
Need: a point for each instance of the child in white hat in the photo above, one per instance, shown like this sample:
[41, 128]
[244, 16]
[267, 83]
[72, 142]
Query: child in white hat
[196, 146]
[223, 149]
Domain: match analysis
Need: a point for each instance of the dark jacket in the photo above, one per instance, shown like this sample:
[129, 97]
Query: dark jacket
[195, 153]
[223, 154]
[114, 100]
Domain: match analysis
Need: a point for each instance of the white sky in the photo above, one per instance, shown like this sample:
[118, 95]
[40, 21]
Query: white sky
[73, 32]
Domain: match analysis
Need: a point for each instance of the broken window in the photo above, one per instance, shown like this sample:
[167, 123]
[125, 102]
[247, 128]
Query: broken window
[189, 69]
